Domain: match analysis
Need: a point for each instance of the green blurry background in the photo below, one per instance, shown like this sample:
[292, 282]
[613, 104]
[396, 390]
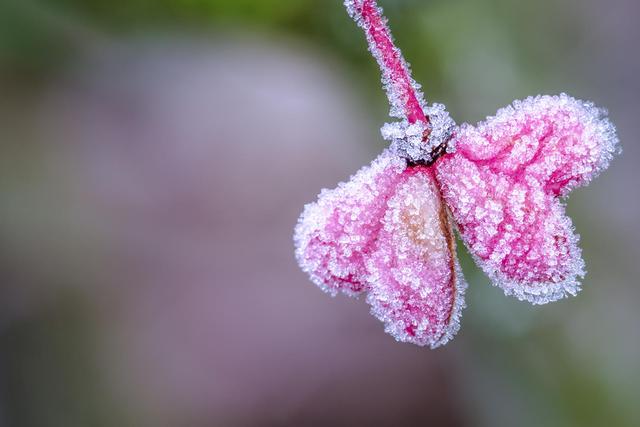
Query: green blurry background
[156, 154]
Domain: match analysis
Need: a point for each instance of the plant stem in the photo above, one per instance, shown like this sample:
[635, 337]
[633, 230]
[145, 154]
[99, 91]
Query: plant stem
[403, 92]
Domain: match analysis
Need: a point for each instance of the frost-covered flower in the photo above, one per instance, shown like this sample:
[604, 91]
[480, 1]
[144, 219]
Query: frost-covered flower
[388, 232]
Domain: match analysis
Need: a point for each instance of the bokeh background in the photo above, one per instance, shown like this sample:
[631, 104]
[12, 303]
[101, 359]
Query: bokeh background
[155, 155]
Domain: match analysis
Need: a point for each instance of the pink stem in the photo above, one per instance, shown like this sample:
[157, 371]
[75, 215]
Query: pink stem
[403, 92]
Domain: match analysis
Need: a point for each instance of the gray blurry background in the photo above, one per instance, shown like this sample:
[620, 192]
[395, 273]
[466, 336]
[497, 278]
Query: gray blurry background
[155, 156]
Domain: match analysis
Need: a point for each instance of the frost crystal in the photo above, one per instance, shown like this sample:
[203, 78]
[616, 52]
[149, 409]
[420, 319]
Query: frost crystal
[407, 139]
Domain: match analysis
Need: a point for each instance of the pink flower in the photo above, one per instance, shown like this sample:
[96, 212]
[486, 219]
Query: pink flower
[388, 232]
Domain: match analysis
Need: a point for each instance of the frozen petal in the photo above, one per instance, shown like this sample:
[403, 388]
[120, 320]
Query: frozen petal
[417, 288]
[387, 231]
[335, 233]
[503, 183]
[561, 141]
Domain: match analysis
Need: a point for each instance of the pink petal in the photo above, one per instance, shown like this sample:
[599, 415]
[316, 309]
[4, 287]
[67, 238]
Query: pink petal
[416, 284]
[502, 186]
[387, 231]
[335, 233]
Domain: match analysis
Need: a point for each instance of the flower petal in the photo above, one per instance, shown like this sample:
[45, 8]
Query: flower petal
[417, 288]
[336, 233]
[503, 183]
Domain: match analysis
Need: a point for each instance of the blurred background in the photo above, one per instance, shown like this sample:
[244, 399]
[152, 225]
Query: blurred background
[155, 155]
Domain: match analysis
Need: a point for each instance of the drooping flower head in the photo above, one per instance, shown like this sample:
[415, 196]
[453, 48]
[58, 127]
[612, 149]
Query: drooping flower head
[388, 231]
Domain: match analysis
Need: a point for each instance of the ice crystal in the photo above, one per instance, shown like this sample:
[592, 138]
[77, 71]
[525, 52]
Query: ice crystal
[408, 139]
[388, 231]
